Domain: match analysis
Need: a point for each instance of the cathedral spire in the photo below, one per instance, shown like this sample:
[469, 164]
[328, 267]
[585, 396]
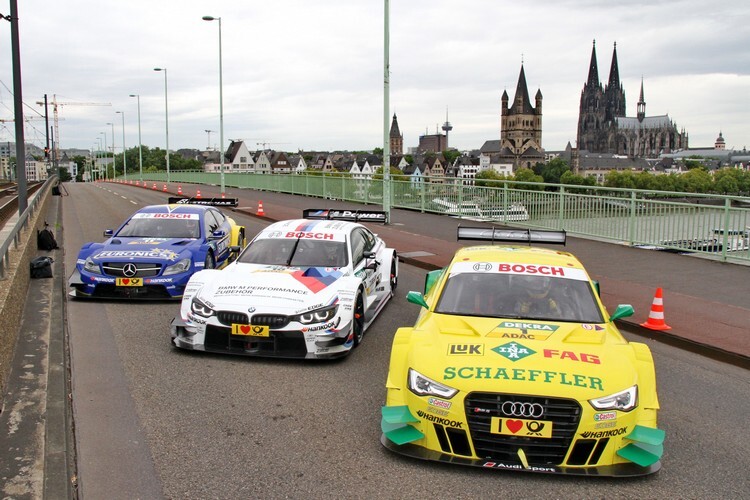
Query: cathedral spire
[614, 72]
[521, 102]
[641, 105]
[593, 79]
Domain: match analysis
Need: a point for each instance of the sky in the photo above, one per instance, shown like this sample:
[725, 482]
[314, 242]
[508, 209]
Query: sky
[303, 75]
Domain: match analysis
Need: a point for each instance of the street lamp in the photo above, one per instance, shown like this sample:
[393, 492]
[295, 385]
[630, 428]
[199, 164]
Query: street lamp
[221, 105]
[114, 163]
[140, 152]
[104, 134]
[166, 114]
[124, 160]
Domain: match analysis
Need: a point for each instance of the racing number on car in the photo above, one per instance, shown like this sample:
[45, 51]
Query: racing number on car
[250, 330]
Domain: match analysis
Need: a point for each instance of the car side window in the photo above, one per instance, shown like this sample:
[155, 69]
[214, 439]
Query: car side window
[359, 243]
[220, 218]
[369, 239]
[209, 223]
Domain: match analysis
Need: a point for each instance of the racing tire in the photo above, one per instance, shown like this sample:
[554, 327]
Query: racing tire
[394, 274]
[358, 319]
[210, 262]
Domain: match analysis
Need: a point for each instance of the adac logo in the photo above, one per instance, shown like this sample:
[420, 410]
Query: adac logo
[513, 351]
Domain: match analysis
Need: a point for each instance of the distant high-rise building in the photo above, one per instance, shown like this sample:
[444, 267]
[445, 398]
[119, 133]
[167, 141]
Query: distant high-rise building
[604, 128]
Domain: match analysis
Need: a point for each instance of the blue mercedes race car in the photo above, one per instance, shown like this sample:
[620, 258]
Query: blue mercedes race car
[156, 251]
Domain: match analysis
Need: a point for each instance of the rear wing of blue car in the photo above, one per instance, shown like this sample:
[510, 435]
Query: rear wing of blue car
[213, 202]
[510, 235]
[347, 215]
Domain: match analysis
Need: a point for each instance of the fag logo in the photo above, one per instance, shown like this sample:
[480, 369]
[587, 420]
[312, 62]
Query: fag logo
[513, 351]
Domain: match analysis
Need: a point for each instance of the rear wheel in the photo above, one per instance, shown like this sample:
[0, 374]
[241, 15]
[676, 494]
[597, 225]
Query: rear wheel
[394, 273]
[358, 321]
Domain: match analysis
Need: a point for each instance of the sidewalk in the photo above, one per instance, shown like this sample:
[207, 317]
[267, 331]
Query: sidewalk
[707, 303]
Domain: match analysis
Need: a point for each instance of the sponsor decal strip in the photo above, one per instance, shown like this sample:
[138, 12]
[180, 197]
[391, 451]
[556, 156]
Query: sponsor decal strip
[521, 269]
[522, 374]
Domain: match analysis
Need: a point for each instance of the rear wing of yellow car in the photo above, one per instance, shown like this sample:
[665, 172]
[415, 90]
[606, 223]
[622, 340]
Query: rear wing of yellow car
[347, 215]
[494, 234]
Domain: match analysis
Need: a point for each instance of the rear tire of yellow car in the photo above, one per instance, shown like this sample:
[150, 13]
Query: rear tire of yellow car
[358, 319]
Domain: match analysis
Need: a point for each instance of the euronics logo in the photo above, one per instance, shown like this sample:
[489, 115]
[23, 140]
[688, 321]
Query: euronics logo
[513, 351]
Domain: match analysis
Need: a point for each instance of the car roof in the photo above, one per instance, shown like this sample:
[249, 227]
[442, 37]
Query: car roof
[337, 227]
[517, 254]
[174, 208]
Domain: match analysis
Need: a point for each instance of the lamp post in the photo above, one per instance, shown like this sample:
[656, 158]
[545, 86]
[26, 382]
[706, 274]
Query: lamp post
[114, 163]
[124, 160]
[96, 174]
[140, 150]
[166, 114]
[386, 115]
[221, 105]
[104, 134]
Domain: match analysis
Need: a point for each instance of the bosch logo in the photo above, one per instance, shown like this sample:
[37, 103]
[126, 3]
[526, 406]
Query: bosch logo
[129, 270]
[482, 266]
[528, 410]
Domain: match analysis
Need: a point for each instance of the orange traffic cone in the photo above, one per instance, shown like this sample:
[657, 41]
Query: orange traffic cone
[198, 195]
[154, 186]
[222, 195]
[164, 188]
[260, 211]
[655, 319]
[179, 190]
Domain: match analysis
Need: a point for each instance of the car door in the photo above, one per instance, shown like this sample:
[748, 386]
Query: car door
[363, 242]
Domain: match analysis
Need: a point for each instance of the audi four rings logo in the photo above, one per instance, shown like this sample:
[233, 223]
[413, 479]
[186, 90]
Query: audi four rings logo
[129, 270]
[529, 410]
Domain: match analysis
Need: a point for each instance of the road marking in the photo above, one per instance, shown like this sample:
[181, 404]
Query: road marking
[134, 203]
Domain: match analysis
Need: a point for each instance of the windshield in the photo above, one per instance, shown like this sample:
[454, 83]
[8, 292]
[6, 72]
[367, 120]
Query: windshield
[152, 226]
[295, 252]
[520, 297]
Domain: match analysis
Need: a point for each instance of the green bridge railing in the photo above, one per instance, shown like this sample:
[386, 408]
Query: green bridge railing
[712, 225]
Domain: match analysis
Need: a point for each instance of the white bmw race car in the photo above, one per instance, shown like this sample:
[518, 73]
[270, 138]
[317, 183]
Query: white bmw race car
[304, 288]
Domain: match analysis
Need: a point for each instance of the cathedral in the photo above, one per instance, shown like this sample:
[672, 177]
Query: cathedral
[521, 127]
[604, 128]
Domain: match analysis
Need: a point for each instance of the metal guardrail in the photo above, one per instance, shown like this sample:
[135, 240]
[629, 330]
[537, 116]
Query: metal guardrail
[713, 225]
[13, 238]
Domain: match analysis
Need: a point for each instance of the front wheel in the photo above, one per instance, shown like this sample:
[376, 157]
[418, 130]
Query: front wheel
[210, 262]
[358, 320]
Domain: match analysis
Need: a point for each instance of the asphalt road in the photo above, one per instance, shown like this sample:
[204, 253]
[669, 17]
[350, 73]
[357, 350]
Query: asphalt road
[152, 422]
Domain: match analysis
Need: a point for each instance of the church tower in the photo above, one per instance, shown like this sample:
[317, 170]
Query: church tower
[614, 94]
[521, 125]
[641, 111]
[396, 138]
[591, 111]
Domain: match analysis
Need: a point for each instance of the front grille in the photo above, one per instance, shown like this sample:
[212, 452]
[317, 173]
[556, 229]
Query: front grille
[106, 290]
[230, 317]
[144, 269]
[564, 414]
[273, 321]
[282, 344]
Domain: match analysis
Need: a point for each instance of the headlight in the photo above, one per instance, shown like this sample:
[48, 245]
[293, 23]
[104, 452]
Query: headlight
[424, 386]
[317, 316]
[624, 400]
[200, 308]
[91, 267]
[180, 267]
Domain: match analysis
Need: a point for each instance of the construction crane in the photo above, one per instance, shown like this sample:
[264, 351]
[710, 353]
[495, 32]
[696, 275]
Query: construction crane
[266, 143]
[55, 104]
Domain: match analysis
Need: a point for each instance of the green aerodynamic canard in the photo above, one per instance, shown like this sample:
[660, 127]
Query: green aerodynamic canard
[515, 363]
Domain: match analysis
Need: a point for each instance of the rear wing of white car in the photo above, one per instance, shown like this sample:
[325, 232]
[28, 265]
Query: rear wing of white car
[214, 202]
[347, 215]
[510, 235]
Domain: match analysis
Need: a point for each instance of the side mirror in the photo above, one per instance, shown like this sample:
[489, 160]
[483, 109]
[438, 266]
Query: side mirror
[431, 278]
[417, 298]
[622, 311]
[234, 252]
[217, 235]
[369, 255]
[109, 233]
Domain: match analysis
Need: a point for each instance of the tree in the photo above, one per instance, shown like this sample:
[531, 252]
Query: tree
[378, 151]
[527, 175]
[552, 171]
[697, 180]
[450, 155]
[488, 177]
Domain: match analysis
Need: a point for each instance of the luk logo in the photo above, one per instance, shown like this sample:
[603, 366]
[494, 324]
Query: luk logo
[513, 351]
[466, 349]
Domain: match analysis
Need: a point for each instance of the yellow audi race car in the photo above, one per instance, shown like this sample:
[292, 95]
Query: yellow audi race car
[514, 363]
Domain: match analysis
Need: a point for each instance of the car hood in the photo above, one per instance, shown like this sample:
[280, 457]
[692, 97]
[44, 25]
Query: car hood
[272, 289]
[169, 249]
[527, 357]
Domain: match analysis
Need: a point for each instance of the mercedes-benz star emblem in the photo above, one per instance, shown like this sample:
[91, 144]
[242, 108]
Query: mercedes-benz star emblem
[129, 270]
[515, 409]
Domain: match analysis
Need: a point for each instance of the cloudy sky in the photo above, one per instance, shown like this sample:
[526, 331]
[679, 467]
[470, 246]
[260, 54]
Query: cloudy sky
[308, 75]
